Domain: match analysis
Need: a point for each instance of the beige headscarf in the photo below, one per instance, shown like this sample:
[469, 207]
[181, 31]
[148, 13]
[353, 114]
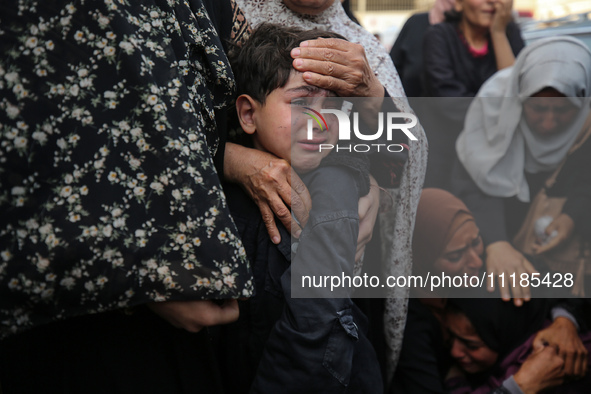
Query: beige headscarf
[439, 216]
[496, 146]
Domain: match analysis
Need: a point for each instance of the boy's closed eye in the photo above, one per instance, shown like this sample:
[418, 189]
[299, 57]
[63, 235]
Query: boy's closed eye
[299, 102]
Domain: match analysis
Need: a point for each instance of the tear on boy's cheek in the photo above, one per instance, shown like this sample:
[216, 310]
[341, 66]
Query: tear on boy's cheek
[329, 134]
[335, 124]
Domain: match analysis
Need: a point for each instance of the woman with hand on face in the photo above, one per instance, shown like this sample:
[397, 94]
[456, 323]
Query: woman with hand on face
[447, 241]
[407, 51]
[477, 39]
[518, 131]
[493, 345]
[360, 67]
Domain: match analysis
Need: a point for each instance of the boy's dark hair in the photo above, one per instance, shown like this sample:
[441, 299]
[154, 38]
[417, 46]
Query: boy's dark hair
[263, 63]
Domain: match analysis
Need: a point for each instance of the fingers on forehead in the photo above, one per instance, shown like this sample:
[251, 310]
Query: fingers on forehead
[335, 43]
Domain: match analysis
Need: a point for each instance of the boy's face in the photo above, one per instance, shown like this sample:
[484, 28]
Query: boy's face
[281, 124]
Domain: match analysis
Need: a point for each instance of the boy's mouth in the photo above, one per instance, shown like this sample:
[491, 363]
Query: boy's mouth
[311, 145]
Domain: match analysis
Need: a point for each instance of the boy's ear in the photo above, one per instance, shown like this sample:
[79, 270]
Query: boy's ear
[246, 107]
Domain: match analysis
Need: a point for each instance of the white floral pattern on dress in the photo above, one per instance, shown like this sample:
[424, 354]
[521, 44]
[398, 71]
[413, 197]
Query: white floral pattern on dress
[108, 193]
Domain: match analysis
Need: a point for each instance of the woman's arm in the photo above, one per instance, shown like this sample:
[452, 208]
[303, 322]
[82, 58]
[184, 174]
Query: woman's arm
[541, 370]
[501, 257]
[272, 185]
[337, 65]
[562, 334]
[575, 180]
[579, 193]
[275, 187]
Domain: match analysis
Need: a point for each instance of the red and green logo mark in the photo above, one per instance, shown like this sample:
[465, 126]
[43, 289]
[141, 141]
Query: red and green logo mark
[315, 115]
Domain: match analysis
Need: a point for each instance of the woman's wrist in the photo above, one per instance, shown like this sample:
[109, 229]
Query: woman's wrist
[496, 245]
[233, 163]
[498, 33]
[503, 51]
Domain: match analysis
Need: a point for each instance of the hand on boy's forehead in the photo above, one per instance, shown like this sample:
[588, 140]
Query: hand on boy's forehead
[297, 87]
[339, 65]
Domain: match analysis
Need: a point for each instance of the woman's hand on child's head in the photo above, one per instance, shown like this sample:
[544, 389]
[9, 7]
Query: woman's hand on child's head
[504, 260]
[564, 226]
[542, 369]
[342, 67]
[562, 334]
[337, 65]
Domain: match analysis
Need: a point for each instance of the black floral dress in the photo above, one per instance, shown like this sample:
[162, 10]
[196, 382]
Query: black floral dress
[109, 196]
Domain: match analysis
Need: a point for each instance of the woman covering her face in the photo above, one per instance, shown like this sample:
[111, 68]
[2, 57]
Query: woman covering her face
[447, 241]
[491, 343]
[477, 38]
[517, 132]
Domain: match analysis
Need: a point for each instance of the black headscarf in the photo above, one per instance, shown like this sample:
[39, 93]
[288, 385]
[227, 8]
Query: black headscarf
[500, 324]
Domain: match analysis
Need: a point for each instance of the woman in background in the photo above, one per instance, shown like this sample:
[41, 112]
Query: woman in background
[447, 241]
[492, 345]
[477, 39]
[520, 128]
[407, 51]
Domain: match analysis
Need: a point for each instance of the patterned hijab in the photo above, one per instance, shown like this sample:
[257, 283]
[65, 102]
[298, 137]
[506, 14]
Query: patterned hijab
[496, 146]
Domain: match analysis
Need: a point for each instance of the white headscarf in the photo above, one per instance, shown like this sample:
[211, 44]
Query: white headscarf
[397, 224]
[496, 146]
